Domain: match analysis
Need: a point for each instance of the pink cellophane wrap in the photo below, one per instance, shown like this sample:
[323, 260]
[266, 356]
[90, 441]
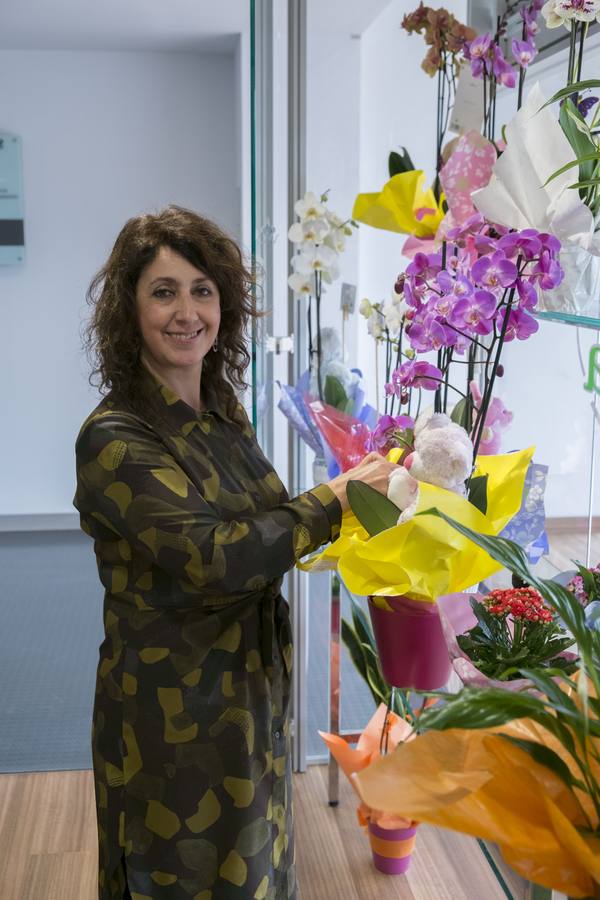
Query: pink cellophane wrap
[346, 436]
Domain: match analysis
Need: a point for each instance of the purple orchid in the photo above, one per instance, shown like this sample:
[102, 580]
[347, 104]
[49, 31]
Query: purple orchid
[413, 292]
[388, 433]
[472, 225]
[474, 313]
[520, 325]
[426, 332]
[529, 17]
[495, 271]
[503, 71]
[524, 52]
[527, 295]
[417, 374]
[526, 243]
[546, 272]
[425, 265]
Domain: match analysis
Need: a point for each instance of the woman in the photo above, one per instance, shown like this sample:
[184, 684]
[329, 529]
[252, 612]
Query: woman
[193, 532]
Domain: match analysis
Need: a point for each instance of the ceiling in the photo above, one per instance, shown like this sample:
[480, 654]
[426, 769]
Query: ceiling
[207, 25]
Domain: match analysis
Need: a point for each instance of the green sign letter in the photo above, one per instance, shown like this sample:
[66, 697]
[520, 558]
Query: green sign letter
[593, 381]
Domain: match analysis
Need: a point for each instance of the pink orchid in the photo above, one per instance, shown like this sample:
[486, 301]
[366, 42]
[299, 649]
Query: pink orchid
[497, 419]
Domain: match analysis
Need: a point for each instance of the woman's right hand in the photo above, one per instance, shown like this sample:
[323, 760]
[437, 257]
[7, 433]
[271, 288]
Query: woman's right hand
[373, 470]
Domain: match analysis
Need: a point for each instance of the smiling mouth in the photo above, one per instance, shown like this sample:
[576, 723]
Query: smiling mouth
[184, 337]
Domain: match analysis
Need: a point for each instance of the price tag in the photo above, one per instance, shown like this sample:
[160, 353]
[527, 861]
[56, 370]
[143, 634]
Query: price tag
[467, 113]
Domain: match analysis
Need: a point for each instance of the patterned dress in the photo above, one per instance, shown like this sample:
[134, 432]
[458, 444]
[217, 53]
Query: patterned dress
[193, 531]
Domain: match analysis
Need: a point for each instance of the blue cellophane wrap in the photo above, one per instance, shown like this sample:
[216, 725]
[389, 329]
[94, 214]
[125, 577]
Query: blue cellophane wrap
[528, 527]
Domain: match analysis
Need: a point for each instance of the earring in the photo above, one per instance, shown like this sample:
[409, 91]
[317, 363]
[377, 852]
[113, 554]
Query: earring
[215, 346]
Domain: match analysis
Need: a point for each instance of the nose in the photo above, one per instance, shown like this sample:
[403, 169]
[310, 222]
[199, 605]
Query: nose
[185, 309]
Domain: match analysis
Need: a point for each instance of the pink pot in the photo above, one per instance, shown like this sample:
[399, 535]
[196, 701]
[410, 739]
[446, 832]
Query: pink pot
[412, 649]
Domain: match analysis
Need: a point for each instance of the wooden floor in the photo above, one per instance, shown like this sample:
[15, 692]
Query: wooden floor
[48, 847]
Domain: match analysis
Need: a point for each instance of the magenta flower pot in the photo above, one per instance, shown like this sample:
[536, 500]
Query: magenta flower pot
[412, 649]
[392, 848]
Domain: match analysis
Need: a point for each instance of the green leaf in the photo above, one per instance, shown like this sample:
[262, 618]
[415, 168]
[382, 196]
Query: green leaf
[357, 655]
[478, 492]
[460, 413]
[548, 758]
[399, 163]
[583, 146]
[374, 511]
[362, 626]
[334, 393]
[584, 184]
[576, 88]
[574, 162]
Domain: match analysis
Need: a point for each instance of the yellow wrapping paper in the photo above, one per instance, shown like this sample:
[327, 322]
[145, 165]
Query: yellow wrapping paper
[426, 558]
[478, 783]
[399, 206]
[352, 760]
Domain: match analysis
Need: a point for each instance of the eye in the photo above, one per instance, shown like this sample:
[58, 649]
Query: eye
[204, 291]
[162, 293]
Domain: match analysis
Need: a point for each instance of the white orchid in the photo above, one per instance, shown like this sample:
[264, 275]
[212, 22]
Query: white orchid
[317, 258]
[309, 207]
[562, 12]
[375, 325]
[365, 307]
[336, 240]
[302, 285]
[310, 231]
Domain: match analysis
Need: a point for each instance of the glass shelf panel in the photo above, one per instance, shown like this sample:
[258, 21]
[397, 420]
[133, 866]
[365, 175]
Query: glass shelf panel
[564, 318]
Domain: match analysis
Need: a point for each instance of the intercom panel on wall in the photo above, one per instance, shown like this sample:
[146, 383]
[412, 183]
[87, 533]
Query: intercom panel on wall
[12, 231]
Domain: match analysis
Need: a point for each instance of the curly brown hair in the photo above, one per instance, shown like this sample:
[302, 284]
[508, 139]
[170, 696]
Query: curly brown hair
[112, 337]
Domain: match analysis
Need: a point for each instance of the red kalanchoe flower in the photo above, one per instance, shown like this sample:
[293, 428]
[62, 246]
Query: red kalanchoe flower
[524, 604]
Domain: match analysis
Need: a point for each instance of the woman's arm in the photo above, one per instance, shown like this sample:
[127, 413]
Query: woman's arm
[128, 483]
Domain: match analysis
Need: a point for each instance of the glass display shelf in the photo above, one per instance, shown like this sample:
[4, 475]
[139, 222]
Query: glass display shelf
[564, 318]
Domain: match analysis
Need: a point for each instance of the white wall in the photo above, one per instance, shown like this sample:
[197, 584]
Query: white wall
[106, 135]
[397, 108]
[333, 143]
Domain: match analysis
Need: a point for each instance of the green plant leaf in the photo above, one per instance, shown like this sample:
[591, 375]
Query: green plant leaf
[576, 88]
[357, 655]
[334, 393]
[400, 162]
[362, 626]
[588, 157]
[460, 413]
[510, 555]
[572, 122]
[374, 511]
[478, 492]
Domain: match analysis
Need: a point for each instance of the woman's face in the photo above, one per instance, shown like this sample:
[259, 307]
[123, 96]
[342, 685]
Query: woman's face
[179, 312]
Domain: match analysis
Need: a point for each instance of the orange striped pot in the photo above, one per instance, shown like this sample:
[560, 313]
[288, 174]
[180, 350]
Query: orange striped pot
[392, 848]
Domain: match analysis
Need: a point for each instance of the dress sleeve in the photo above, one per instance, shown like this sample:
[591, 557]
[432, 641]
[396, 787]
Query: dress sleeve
[128, 482]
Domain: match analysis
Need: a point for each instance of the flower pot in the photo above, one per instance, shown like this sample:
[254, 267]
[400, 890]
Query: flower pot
[392, 848]
[411, 644]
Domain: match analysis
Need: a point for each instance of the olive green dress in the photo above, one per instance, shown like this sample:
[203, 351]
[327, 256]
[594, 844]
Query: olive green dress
[193, 532]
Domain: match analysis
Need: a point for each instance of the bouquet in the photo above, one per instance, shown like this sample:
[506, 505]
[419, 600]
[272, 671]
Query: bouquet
[517, 768]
